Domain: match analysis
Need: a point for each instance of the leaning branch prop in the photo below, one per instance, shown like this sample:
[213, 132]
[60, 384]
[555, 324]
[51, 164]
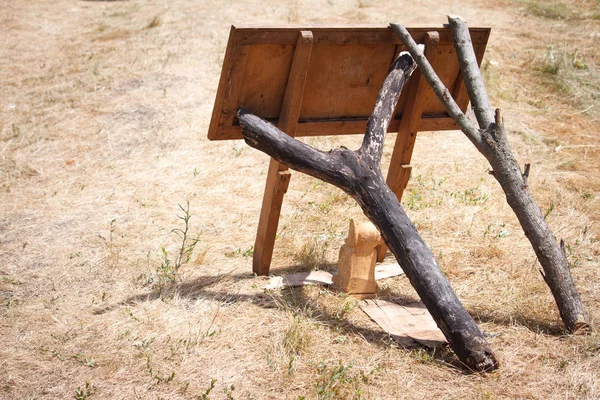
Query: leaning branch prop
[358, 174]
[491, 141]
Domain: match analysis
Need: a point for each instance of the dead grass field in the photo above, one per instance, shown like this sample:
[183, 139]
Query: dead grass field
[104, 109]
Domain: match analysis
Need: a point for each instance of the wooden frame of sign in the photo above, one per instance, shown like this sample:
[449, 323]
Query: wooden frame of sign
[317, 81]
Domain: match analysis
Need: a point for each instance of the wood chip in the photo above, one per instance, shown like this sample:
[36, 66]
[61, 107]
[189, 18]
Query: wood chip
[299, 279]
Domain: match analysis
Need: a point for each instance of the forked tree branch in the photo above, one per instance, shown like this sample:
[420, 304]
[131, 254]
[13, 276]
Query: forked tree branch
[358, 173]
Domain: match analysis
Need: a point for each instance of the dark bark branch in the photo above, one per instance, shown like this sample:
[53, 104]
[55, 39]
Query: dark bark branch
[381, 206]
[266, 137]
[357, 174]
[470, 71]
[385, 104]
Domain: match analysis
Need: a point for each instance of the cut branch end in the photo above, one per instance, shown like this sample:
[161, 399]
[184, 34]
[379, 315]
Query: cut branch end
[526, 173]
[498, 118]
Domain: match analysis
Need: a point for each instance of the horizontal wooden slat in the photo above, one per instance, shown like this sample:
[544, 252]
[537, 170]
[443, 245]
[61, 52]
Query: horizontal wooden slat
[346, 127]
[343, 35]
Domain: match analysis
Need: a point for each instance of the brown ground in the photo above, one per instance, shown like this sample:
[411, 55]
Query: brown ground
[104, 108]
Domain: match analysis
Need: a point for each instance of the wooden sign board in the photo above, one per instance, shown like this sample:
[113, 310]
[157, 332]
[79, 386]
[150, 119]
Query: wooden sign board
[347, 67]
[318, 81]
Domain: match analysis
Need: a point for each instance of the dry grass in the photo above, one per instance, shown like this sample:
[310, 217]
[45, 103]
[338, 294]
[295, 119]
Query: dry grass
[104, 108]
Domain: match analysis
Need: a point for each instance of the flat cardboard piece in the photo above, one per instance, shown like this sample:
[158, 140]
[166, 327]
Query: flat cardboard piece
[382, 271]
[346, 70]
[387, 270]
[407, 322]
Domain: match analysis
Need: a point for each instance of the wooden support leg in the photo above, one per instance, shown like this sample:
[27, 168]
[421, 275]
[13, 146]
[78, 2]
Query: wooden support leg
[400, 167]
[278, 177]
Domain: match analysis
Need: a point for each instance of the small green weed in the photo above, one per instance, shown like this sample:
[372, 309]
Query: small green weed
[414, 199]
[422, 355]
[549, 211]
[339, 382]
[204, 396]
[501, 233]
[168, 268]
[237, 151]
[471, 196]
[89, 362]
[229, 392]
[85, 392]
[156, 375]
[552, 63]
[291, 365]
[424, 194]
[187, 243]
[334, 197]
[572, 256]
[349, 305]
[238, 252]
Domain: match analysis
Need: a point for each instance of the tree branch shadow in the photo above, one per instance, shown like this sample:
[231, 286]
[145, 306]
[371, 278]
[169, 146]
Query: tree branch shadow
[300, 302]
[535, 325]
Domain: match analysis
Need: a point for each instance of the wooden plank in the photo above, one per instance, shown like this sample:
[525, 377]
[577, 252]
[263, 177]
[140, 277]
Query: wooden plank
[336, 71]
[409, 125]
[263, 93]
[387, 270]
[300, 279]
[296, 85]
[419, 94]
[343, 34]
[278, 177]
[352, 127]
[317, 128]
[448, 70]
[230, 86]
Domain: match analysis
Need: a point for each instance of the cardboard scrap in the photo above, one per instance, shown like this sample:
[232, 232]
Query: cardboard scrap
[382, 271]
[387, 270]
[407, 322]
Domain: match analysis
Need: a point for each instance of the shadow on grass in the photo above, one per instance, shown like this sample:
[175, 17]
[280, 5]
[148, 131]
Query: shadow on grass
[533, 324]
[299, 301]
